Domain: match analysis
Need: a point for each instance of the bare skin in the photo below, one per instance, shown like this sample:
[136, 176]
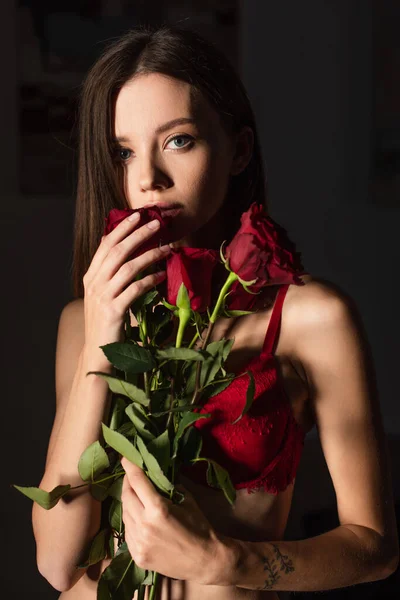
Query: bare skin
[254, 517]
[191, 164]
[317, 341]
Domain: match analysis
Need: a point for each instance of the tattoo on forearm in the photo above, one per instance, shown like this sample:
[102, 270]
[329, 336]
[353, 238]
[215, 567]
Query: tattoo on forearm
[280, 563]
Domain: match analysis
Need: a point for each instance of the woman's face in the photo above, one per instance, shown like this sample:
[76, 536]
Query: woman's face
[188, 164]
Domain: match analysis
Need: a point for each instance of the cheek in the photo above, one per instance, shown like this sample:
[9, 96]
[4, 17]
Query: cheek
[209, 178]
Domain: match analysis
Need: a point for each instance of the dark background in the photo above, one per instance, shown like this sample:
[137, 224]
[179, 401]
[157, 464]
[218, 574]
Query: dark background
[324, 80]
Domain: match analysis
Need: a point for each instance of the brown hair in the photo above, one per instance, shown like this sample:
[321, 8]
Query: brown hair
[179, 53]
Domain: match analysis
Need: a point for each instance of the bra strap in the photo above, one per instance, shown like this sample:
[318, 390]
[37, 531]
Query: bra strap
[274, 320]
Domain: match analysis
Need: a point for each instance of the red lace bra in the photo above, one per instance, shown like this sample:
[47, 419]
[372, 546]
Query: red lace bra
[263, 449]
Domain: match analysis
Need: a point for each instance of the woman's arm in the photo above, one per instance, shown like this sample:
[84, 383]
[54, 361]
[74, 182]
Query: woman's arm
[333, 348]
[63, 532]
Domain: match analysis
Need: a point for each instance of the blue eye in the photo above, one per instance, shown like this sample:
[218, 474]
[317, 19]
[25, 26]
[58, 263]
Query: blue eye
[181, 137]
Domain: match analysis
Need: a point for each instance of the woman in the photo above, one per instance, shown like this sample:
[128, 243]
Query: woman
[165, 119]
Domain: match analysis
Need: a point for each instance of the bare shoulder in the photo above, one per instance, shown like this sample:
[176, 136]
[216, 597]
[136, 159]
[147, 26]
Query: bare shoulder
[313, 315]
[326, 329]
[317, 302]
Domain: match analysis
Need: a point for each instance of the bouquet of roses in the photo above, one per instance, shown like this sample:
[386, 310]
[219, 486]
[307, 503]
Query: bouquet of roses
[157, 384]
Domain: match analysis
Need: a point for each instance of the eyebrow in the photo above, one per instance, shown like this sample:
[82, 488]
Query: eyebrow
[164, 127]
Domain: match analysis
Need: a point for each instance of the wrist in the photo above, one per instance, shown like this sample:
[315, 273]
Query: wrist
[93, 359]
[227, 559]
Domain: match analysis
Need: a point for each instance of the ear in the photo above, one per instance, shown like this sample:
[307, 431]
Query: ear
[243, 150]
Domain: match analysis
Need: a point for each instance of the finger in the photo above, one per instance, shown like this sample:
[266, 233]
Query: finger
[131, 506]
[144, 489]
[139, 241]
[138, 288]
[129, 270]
[111, 239]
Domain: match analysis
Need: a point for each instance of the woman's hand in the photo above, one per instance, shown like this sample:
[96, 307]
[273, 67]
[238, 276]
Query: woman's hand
[109, 283]
[175, 540]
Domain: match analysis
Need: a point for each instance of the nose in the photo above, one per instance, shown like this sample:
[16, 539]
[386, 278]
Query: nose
[151, 176]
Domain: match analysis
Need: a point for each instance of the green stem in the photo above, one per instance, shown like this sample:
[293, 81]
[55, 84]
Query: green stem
[154, 586]
[194, 340]
[171, 403]
[231, 278]
[214, 315]
[184, 317]
[97, 480]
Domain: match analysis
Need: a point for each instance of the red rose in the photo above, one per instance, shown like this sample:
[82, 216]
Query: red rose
[261, 250]
[193, 267]
[161, 236]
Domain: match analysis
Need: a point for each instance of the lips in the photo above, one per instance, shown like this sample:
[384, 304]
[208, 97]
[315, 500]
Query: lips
[170, 212]
[168, 209]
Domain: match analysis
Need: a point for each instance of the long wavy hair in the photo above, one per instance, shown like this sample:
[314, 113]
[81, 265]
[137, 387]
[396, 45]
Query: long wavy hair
[175, 52]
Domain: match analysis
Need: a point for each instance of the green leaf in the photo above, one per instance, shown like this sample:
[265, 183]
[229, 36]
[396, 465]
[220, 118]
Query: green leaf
[191, 445]
[238, 313]
[100, 491]
[209, 369]
[216, 353]
[158, 398]
[128, 430]
[211, 477]
[93, 462]
[124, 388]
[173, 353]
[116, 488]
[249, 396]
[226, 349]
[121, 578]
[222, 478]
[45, 499]
[122, 548]
[216, 387]
[180, 408]
[111, 546]
[98, 549]
[154, 470]
[164, 332]
[160, 448]
[160, 319]
[188, 419]
[141, 422]
[149, 580]
[129, 357]
[117, 412]
[144, 300]
[115, 515]
[122, 445]
[190, 374]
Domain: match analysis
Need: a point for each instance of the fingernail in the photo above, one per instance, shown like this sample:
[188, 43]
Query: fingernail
[134, 216]
[153, 224]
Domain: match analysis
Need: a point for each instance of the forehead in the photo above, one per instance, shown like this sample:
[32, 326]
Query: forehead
[150, 100]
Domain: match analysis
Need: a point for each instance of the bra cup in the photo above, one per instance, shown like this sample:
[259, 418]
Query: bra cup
[263, 448]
